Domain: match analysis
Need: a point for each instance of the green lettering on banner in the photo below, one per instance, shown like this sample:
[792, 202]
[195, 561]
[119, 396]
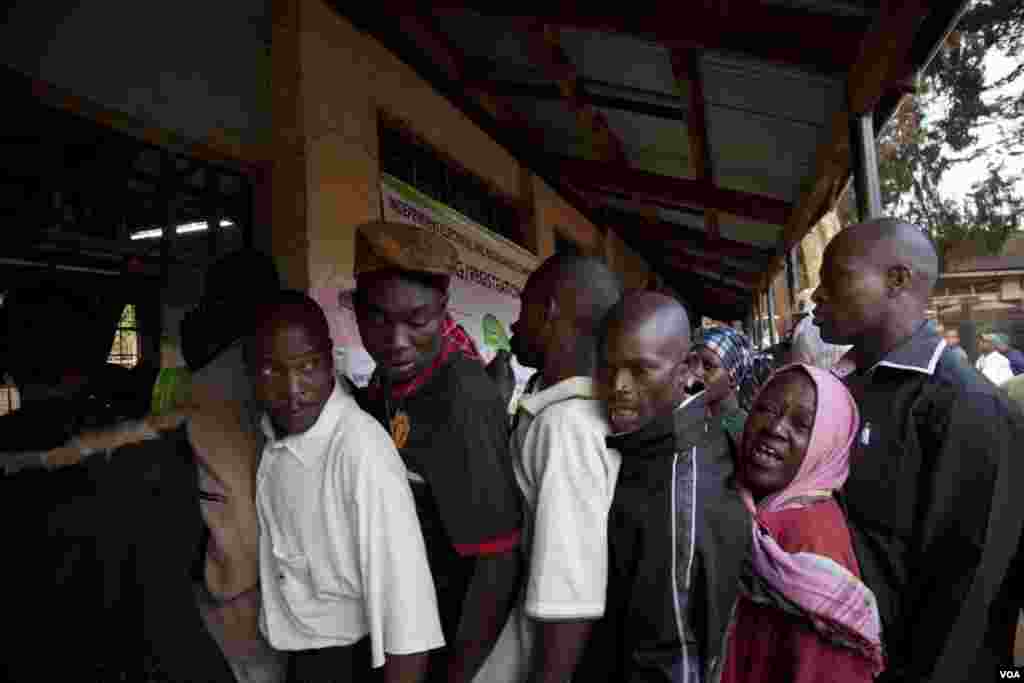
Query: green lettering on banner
[407, 200]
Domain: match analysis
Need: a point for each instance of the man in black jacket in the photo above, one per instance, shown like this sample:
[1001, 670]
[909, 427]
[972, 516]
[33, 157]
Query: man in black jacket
[678, 533]
[936, 522]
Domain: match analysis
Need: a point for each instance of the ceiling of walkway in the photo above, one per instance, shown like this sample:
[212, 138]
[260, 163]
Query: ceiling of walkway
[81, 197]
[710, 136]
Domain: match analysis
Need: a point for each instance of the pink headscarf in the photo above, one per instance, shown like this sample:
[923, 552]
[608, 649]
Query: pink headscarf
[841, 608]
[827, 464]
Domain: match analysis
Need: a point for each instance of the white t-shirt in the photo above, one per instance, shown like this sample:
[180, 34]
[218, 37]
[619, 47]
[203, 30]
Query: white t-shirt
[341, 551]
[996, 367]
[567, 476]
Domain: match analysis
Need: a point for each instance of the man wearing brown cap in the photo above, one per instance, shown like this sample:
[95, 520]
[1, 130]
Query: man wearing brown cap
[449, 422]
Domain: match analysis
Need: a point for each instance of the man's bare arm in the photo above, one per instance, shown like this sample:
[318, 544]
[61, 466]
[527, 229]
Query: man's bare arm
[405, 668]
[484, 613]
[557, 650]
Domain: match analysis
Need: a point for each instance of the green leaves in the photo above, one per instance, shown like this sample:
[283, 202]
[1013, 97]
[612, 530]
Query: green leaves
[939, 129]
[494, 334]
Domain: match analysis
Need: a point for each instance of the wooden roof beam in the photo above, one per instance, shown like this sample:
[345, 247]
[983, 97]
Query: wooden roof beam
[671, 191]
[744, 280]
[546, 50]
[697, 273]
[693, 285]
[882, 64]
[686, 68]
[423, 32]
[681, 237]
[483, 76]
[825, 43]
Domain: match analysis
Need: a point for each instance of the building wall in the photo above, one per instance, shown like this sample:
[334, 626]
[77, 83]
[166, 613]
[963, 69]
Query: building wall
[290, 88]
[330, 83]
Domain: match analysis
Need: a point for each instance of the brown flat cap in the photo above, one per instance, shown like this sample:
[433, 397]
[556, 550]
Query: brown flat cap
[383, 245]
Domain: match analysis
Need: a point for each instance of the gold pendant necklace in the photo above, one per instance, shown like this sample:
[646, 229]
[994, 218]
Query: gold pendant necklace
[400, 427]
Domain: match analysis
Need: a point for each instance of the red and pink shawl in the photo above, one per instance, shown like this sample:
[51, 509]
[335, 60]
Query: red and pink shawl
[840, 607]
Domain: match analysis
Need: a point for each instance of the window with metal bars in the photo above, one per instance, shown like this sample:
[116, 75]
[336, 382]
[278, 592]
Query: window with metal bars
[9, 398]
[408, 158]
[125, 349]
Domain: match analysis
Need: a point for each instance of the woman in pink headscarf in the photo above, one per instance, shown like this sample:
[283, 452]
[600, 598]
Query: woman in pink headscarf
[804, 615]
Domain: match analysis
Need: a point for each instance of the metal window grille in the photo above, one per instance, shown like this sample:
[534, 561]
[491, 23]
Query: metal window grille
[9, 399]
[413, 161]
[125, 349]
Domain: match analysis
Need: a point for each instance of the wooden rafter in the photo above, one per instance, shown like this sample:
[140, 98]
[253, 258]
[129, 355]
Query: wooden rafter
[705, 264]
[882, 64]
[825, 43]
[682, 267]
[483, 77]
[690, 283]
[671, 191]
[422, 32]
[546, 48]
[687, 279]
[686, 69]
[679, 237]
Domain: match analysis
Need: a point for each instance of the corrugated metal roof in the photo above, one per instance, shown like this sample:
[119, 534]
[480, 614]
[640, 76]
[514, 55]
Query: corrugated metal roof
[621, 59]
[841, 8]
[486, 36]
[766, 120]
[561, 134]
[788, 93]
[745, 230]
[653, 144]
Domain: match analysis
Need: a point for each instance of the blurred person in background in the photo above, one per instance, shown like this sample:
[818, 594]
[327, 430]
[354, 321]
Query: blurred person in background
[991, 363]
[1016, 358]
[722, 360]
[952, 336]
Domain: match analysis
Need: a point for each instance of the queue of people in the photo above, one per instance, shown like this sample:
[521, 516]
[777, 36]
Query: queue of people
[652, 512]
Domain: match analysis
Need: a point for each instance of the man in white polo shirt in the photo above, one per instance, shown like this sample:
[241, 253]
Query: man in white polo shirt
[565, 471]
[346, 584]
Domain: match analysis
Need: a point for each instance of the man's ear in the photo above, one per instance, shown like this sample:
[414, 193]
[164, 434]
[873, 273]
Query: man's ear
[443, 303]
[682, 377]
[898, 279]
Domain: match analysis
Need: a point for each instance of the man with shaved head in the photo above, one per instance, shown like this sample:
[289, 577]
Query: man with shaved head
[562, 465]
[929, 494]
[343, 565]
[678, 532]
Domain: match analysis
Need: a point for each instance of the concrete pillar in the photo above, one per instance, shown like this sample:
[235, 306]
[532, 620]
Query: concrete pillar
[772, 332]
[288, 239]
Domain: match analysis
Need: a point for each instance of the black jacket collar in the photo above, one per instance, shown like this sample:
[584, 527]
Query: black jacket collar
[666, 434]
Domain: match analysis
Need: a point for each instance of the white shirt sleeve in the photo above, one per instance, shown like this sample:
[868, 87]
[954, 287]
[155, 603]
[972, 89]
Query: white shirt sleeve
[398, 589]
[572, 475]
[997, 368]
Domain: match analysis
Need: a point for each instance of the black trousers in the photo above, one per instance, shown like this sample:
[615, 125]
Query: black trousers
[343, 664]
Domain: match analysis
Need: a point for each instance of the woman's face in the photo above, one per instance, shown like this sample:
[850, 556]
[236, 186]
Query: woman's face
[707, 367]
[777, 433]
